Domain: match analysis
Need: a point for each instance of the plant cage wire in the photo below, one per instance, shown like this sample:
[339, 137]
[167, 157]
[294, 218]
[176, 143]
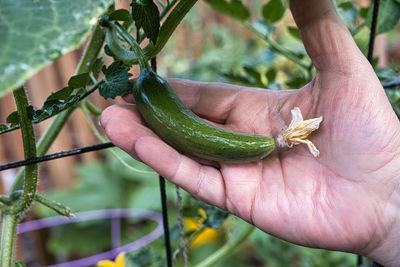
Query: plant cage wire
[168, 252]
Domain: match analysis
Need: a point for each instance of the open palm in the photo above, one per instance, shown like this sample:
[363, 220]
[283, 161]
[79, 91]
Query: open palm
[342, 200]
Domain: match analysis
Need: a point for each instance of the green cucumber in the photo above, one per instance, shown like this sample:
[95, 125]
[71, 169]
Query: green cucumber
[174, 123]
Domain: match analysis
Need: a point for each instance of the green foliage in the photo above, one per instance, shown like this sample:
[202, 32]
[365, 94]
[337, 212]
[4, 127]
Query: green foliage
[389, 15]
[233, 8]
[215, 216]
[294, 31]
[13, 119]
[116, 81]
[273, 252]
[120, 14]
[144, 257]
[96, 67]
[80, 81]
[49, 29]
[273, 10]
[145, 14]
[389, 75]
[272, 58]
[100, 186]
[347, 12]
[55, 103]
[297, 81]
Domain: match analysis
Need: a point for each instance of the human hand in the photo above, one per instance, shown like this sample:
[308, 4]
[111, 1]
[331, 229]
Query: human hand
[347, 199]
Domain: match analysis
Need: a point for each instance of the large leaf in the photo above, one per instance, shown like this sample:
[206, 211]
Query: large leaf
[35, 33]
[388, 17]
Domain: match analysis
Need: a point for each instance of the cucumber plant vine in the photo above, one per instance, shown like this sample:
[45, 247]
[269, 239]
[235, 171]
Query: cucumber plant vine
[155, 21]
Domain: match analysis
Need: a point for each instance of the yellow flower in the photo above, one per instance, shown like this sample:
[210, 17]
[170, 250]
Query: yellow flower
[119, 262]
[207, 235]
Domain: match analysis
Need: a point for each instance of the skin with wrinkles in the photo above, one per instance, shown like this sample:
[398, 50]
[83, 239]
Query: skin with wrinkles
[347, 199]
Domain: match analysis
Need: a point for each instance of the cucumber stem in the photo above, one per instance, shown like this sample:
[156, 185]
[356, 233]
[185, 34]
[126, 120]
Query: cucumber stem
[167, 28]
[143, 61]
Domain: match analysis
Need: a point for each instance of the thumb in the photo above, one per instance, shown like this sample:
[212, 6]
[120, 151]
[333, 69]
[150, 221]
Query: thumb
[326, 39]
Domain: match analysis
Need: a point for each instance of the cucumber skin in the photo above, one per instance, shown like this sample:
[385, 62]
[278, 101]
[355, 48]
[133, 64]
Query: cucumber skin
[173, 122]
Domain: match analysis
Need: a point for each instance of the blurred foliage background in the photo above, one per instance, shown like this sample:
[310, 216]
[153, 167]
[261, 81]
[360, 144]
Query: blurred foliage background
[245, 44]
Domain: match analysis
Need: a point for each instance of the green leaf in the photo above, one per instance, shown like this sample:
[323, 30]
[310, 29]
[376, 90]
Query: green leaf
[35, 33]
[294, 31]
[273, 10]
[255, 75]
[215, 216]
[13, 118]
[145, 14]
[54, 104]
[79, 81]
[364, 12]
[96, 67]
[271, 75]
[232, 8]
[143, 257]
[237, 79]
[388, 17]
[61, 94]
[296, 81]
[120, 14]
[116, 81]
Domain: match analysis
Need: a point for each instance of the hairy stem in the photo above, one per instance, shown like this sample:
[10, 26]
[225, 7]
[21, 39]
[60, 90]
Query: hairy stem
[11, 212]
[277, 48]
[92, 108]
[47, 139]
[29, 144]
[9, 224]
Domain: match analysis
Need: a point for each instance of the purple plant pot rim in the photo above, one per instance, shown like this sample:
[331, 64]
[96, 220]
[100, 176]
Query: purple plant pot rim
[98, 215]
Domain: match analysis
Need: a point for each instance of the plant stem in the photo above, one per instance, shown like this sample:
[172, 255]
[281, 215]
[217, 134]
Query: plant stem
[29, 144]
[54, 205]
[46, 140]
[228, 248]
[10, 214]
[143, 61]
[276, 47]
[166, 30]
[91, 51]
[9, 224]
[92, 108]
